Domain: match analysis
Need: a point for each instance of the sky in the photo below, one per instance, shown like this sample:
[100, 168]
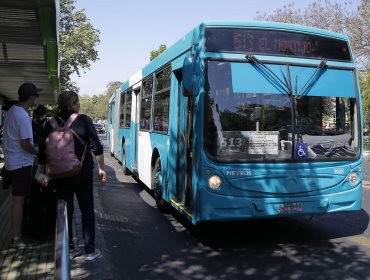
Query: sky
[130, 30]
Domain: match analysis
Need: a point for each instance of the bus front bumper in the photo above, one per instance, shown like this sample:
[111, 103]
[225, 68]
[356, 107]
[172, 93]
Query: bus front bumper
[220, 207]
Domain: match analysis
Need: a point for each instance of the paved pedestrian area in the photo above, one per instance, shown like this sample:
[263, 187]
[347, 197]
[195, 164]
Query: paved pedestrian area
[34, 259]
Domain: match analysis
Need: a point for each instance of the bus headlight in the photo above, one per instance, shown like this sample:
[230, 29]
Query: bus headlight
[353, 178]
[214, 182]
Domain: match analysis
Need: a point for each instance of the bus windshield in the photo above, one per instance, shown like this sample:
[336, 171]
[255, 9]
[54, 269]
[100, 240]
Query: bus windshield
[248, 118]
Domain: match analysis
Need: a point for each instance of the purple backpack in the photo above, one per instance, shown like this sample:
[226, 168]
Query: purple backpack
[60, 150]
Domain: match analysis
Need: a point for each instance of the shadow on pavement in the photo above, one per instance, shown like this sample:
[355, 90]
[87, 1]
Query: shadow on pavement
[143, 243]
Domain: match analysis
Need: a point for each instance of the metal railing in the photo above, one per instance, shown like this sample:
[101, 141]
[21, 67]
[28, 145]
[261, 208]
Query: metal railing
[61, 265]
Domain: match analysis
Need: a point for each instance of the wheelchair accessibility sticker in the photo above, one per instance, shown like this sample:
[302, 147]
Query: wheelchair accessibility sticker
[301, 151]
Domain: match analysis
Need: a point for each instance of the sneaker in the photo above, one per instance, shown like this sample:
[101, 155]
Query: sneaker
[17, 241]
[93, 256]
[75, 252]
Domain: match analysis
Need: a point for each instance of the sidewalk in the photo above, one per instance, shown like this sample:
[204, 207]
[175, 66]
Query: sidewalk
[97, 269]
[35, 258]
[3, 193]
[32, 260]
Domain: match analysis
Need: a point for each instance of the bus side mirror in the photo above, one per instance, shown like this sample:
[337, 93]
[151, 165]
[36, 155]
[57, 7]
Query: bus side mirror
[187, 76]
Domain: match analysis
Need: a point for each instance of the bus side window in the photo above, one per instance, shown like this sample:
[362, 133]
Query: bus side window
[162, 100]
[146, 103]
[142, 123]
[157, 124]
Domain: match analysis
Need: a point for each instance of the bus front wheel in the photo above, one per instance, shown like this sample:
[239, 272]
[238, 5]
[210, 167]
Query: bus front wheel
[158, 187]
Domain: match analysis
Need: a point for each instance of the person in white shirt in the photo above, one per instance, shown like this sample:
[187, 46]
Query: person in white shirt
[19, 152]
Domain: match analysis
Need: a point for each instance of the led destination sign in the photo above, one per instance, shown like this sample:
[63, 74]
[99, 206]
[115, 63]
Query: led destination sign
[271, 42]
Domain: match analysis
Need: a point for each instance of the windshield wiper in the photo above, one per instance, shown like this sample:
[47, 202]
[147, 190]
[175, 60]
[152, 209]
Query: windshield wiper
[264, 70]
[310, 82]
[284, 86]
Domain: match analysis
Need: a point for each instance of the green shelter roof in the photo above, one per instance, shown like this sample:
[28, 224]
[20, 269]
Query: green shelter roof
[29, 47]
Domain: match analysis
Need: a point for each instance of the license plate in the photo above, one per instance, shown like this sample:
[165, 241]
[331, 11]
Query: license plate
[290, 207]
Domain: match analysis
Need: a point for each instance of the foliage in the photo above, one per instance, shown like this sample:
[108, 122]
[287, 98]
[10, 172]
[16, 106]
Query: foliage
[359, 33]
[334, 17]
[77, 43]
[155, 53]
[96, 106]
[365, 90]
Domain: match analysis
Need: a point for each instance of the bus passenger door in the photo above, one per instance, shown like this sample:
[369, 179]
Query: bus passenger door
[184, 153]
[136, 108]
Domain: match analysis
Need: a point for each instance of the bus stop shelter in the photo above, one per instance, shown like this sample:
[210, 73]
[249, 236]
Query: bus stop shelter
[29, 48]
[28, 53]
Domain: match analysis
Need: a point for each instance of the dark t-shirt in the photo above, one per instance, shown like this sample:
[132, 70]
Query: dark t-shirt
[38, 127]
[84, 128]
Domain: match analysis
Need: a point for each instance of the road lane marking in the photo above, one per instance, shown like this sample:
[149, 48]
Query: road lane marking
[360, 239]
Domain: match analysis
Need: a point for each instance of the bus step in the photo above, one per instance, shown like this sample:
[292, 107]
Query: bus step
[182, 208]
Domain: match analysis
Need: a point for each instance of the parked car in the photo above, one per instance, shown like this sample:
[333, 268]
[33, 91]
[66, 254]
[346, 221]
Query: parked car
[99, 128]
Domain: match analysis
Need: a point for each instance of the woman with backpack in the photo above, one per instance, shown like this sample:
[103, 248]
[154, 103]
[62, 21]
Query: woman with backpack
[78, 181]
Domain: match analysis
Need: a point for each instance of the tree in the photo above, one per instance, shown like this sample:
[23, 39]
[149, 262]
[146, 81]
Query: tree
[112, 86]
[87, 107]
[359, 32]
[94, 99]
[365, 90]
[77, 43]
[96, 106]
[102, 105]
[155, 53]
[334, 17]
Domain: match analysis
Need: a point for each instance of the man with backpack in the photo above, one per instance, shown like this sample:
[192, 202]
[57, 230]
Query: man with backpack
[71, 140]
[20, 152]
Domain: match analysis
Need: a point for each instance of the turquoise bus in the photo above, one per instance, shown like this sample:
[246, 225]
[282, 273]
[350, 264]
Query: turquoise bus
[241, 120]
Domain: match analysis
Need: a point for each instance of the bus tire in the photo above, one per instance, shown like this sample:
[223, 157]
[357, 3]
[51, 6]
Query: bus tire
[125, 171]
[158, 187]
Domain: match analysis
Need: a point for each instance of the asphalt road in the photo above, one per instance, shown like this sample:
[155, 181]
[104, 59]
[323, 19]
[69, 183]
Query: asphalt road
[142, 243]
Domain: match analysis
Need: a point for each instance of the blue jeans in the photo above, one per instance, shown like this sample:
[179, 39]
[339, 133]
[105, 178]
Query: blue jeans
[82, 186]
